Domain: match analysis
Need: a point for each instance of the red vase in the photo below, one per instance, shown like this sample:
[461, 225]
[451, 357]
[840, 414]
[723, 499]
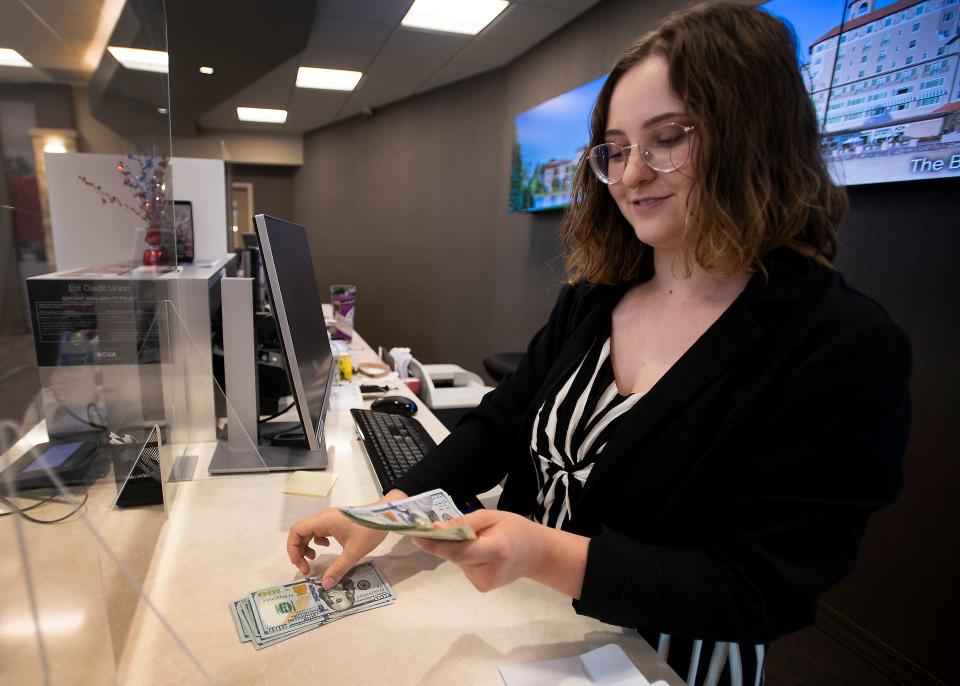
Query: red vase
[153, 257]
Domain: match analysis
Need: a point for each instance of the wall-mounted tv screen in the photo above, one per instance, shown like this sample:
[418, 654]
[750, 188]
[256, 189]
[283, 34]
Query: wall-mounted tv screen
[548, 142]
[884, 76]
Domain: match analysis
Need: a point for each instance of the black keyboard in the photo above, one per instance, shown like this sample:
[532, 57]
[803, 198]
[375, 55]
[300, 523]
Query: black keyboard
[393, 445]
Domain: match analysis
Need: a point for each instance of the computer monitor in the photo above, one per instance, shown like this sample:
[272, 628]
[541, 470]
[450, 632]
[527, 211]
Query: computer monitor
[292, 287]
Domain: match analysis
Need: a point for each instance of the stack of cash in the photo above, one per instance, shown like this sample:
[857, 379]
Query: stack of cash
[414, 516]
[276, 613]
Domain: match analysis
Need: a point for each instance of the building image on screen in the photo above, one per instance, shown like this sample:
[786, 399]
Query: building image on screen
[883, 76]
[549, 141]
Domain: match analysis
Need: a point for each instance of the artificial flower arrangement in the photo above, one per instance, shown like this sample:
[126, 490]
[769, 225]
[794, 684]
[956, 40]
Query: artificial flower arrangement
[144, 174]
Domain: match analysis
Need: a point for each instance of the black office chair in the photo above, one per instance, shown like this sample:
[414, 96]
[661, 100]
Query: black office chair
[501, 364]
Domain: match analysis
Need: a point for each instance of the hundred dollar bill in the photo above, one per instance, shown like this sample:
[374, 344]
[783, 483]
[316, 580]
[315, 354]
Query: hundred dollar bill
[362, 588]
[243, 618]
[414, 517]
[287, 607]
[243, 629]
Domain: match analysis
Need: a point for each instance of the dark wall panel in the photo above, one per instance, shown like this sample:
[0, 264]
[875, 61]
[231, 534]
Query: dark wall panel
[402, 205]
[53, 104]
[900, 244]
[272, 187]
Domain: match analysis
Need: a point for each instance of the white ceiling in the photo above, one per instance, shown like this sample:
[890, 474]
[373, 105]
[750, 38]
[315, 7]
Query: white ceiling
[56, 36]
[362, 35]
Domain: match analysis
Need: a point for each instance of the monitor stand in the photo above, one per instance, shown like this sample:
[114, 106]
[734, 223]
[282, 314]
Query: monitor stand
[238, 453]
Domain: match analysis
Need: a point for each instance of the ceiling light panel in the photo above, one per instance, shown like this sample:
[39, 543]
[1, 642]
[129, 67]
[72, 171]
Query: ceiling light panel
[453, 16]
[327, 79]
[138, 59]
[12, 58]
[206, 70]
[260, 114]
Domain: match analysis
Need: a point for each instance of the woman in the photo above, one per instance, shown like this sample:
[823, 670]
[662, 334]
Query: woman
[695, 440]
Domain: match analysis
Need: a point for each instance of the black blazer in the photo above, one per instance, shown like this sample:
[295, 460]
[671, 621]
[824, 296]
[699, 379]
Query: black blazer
[736, 491]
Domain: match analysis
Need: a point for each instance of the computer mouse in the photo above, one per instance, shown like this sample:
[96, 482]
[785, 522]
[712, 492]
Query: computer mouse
[394, 404]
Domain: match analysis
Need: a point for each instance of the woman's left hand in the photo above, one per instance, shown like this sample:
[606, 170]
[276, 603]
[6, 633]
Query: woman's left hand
[507, 547]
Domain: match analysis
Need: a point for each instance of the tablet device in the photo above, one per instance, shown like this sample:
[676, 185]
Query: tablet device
[73, 462]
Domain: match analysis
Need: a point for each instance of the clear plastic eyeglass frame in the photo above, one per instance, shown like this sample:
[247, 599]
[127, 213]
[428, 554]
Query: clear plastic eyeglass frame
[600, 155]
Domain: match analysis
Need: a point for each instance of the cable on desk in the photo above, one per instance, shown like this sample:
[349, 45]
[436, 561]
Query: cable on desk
[14, 509]
[80, 419]
[276, 414]
[53, 498]
[96, 411]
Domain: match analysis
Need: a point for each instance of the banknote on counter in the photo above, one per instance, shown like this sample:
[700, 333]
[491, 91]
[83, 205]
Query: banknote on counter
[414, 517]
[276, 613]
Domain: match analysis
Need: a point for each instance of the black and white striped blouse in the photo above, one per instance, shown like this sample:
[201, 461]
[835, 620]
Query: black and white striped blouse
[569, 434]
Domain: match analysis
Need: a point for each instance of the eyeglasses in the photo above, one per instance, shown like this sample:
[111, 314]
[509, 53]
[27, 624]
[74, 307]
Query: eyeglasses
[665, 149]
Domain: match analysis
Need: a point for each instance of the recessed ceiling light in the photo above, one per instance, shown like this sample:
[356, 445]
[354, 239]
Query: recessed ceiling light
[138, 59]
[12, 58]
[206, 70]
[327, 79]
[262, 115]
[453, 16]
[54, 146]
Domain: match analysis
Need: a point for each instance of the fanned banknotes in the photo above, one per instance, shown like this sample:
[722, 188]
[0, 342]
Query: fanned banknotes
[276, 613]
[414, 516]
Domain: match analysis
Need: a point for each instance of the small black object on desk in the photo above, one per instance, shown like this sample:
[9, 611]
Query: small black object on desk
[394, 404]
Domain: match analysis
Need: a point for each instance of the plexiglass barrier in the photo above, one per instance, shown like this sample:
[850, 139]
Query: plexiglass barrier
[118, 547]
[85, 513]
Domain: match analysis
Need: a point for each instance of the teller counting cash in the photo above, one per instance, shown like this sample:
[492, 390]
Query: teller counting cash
[189, 614]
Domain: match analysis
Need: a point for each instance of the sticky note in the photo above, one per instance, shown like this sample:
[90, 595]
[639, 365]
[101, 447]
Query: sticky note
[317, 484]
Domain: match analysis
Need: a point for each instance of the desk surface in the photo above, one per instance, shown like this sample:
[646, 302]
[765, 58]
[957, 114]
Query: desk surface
[225, 536]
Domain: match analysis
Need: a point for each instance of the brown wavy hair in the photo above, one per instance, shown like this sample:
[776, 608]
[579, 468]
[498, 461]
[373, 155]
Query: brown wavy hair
[760, 181]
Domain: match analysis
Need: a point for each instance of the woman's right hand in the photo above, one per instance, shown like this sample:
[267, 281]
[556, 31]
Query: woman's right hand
[357, 541]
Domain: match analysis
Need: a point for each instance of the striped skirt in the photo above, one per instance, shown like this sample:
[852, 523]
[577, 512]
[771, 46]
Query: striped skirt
[711, 663]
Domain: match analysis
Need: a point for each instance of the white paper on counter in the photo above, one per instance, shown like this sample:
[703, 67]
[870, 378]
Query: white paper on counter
[605, 666]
